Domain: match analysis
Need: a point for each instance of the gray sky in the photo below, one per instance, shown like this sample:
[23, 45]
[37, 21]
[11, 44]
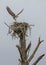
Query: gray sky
[34, 13]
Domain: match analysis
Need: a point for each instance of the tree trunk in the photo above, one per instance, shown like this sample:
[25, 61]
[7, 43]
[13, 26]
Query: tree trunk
[23, 48]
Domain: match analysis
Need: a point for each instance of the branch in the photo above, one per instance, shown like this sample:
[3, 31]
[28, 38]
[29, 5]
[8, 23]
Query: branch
[6, 24]
[21, 54]
[35, 50]
[19, 50]
[38, 59]
[28, 47]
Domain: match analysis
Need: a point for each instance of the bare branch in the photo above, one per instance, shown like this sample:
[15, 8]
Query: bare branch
[6, 24]
[19, 50]
[28, 47]
[38, 59]
[35, 50]
[21, 54]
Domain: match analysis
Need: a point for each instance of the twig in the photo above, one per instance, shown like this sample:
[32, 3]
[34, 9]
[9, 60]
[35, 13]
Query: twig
[38, 59]
[28, 47]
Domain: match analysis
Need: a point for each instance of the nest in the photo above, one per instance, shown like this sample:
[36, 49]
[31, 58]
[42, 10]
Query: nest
[18, 28]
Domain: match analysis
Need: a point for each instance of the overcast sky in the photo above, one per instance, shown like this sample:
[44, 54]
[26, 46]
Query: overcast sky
[34, 13]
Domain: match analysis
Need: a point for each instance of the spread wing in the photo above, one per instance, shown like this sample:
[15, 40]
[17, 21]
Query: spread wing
[20, 12]
[10, 12]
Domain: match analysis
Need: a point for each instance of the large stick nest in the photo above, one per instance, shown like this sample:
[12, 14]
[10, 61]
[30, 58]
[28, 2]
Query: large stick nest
[18, 28]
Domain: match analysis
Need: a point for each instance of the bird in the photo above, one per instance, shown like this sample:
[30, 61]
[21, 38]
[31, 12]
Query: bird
[12, 13]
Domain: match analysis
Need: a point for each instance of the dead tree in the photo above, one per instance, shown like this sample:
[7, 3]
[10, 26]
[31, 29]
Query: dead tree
[20, 29]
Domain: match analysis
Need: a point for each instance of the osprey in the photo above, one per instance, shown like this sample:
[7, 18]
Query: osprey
[12, 13]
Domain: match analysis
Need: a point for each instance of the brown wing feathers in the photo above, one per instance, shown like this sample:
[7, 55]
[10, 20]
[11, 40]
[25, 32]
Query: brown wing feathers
[20, 12]
[10, 12]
